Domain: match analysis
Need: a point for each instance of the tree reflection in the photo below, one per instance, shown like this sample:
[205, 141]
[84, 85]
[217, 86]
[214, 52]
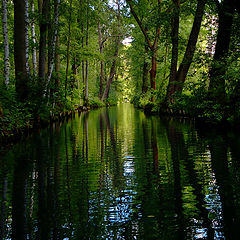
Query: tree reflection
[4, 187]
[181, 156]
[176, 150]
[219, 155]
[19, 194]
[109, 175]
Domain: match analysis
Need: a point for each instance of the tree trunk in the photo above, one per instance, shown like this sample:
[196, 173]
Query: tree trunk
[174, 37]
[86, 70]
[27, 35]
[153, 71]
[153, 46]
[57, 65]
[145, 72]
[68, 47]
[218, 70]
[43, 41]
[112, 71]
[74, 76]
[53, 41]
[100, 43]
[191, 46]
[5, 42]
[180, 77]
[34, 49]
[20, 50]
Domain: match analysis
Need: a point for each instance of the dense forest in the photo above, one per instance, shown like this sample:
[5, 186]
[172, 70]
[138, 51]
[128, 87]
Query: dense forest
[167, 56]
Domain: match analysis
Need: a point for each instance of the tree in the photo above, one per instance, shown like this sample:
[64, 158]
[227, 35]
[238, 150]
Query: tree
[178, 78]
[153, 46]
[44, 13]
[68, 46]
[5, 42]
[219, 66]
[33, 34]
[117, 41]
[53, 40]
[100, 43]
[174, 38]
[20, 54]
[112, 71]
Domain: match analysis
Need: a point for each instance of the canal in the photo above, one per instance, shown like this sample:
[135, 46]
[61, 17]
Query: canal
[117, 173]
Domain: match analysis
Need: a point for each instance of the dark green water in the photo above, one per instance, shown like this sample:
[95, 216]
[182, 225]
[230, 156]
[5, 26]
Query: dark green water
[118, 174]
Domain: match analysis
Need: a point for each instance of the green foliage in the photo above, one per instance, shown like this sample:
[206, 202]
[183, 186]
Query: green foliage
[198, 104]
[15, 116]
[113, 99]
[95, 102]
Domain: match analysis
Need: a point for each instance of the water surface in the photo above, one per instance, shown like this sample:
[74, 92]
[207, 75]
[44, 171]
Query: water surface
[119, 174]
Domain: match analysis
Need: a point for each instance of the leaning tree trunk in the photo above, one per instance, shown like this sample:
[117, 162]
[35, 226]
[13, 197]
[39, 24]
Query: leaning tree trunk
[153, 46]
[113, 68]
[5, 42]
[112, 71]
[189, 53]
[20, 50]
[191, 46]
[218, 70]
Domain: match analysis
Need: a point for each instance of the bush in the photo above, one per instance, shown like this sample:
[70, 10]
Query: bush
[95, 102]
[15, 116]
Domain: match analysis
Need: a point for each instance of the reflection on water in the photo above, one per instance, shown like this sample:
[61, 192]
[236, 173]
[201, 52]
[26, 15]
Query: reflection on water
[118, 174]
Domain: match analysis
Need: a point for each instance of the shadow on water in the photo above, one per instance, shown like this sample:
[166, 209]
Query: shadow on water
[118, 174]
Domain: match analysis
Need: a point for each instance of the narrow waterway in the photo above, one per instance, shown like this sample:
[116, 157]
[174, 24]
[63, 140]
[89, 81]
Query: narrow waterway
[119, 174]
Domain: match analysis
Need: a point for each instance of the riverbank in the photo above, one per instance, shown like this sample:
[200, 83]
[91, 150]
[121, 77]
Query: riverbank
[200, 107]
[18, 119]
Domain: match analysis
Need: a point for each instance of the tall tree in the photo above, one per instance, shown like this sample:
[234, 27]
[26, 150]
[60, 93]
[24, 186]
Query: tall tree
[86, 70]
[174, 38]
[33, 33]
[145, 71]
[44, 13]
[218, 69]
[5, 42]
[27, 35]
[100, 43]
[180, 76]
[68, 46]
[153, 46]
[53, 40]
[112, 71]
[57, 65]
[116, 52]
[20, 55]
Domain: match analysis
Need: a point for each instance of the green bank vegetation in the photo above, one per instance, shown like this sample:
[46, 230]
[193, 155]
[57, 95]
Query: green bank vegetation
[166, 56]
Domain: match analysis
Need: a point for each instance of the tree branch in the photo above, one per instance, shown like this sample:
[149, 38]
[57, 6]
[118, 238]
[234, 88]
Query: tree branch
[140, 25]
